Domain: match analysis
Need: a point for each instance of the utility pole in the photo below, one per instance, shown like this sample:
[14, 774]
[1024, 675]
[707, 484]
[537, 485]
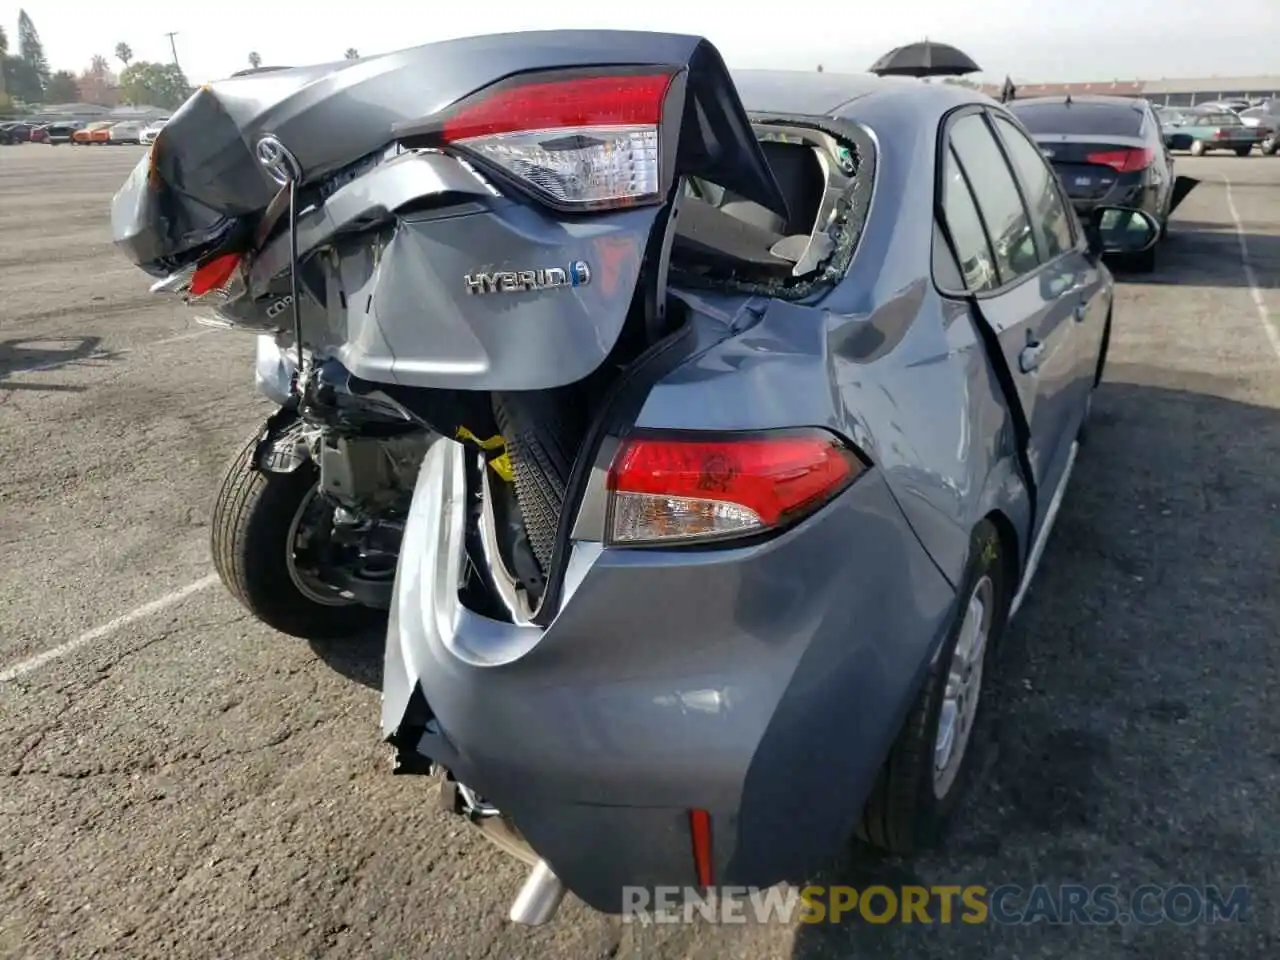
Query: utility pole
[173, 47]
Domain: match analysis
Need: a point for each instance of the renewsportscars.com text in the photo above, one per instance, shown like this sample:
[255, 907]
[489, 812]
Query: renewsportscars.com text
[1006, 904]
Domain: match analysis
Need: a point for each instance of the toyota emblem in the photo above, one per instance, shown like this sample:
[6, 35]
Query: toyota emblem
[281, 165]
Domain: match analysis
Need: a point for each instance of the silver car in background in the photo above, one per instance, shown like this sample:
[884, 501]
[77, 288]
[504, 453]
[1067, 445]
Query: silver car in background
[152, 130]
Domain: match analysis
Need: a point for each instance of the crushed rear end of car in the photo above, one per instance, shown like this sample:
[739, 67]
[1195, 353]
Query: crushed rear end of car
[691, 716]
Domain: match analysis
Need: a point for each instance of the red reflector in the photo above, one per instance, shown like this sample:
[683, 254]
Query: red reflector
[1123, 161]
[212, 275]
[608, 101]
[700, 828]
[666, 488]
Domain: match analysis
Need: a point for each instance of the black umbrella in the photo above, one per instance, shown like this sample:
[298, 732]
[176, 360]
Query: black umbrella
[925, 59]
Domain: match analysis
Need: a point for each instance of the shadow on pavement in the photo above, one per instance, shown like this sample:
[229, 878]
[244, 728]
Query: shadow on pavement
[1209, 258]
[1134, 742]
[34, 354]
[357, 658]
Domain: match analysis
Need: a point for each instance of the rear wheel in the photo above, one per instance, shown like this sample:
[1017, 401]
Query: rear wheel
[1197, 148]
[258, 536]
[1244, 151]
[1270, 145]
[932, 760]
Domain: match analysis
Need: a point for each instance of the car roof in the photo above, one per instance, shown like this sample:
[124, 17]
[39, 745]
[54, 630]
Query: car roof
[843, 94]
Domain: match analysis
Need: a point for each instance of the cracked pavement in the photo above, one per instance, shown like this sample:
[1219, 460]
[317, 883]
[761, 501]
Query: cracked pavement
[194, 785]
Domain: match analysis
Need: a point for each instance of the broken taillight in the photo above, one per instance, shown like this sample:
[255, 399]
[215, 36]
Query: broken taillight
[586, 142]
[213, 275]
[683, 489]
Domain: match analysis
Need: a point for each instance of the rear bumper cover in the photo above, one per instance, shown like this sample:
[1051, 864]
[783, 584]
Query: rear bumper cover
[762, 684]
[1133, 193]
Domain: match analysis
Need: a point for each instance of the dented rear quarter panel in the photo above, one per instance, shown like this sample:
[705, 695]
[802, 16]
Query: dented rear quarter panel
[881, 358]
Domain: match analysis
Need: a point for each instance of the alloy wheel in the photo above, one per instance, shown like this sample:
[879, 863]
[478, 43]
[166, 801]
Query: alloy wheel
[964, 687]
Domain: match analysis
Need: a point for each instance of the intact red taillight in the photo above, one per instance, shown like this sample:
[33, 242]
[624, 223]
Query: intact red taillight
[683, 489]
[1123, 161]
[584, 142]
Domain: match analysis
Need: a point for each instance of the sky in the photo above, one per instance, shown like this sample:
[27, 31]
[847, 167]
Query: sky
[1031, 40]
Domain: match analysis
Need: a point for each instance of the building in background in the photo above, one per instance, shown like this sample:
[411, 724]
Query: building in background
[1172, 93]
[1187, 93]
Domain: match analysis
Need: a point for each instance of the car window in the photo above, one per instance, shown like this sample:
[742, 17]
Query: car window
[1006, 219]
[972, 249]
[1220, 120]
[946, 269]
[1088, 119]
[1041, 184]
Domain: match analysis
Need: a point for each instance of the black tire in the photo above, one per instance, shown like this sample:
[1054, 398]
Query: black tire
[1198, 148]
[249, 534]
[903, 812]
[1270, 146]
[1244, 151]
[542, 431]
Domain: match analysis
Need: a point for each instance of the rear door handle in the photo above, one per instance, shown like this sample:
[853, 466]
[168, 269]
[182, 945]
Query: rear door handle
[1030, 357]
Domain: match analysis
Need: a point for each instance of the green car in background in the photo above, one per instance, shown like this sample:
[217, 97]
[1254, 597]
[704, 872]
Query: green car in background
[1201, 131]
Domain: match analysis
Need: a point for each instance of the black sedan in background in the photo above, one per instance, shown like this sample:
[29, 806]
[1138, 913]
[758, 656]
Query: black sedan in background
[1108, 151]
[15, 131]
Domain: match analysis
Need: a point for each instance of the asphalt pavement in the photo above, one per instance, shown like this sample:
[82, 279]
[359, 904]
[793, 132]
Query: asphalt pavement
[179, 781]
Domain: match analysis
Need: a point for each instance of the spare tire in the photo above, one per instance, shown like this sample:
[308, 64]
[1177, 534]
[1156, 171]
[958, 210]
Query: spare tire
[543, 430]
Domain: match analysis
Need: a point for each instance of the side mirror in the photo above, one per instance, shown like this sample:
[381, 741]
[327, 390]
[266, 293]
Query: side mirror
[1121, 230]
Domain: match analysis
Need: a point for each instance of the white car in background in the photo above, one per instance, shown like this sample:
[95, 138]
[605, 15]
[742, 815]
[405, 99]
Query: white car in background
[127, 131]
[151, 131]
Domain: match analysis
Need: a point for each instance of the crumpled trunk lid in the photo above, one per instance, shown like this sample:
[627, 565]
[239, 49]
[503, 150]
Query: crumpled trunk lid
[204, 164]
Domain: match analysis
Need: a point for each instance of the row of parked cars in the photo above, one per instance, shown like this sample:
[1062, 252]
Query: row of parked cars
[1236, 126]
[1118, 151]
[81, 133]
[1108, 152]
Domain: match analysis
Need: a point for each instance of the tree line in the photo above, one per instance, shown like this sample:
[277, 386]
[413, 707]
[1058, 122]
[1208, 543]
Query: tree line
[26, 80]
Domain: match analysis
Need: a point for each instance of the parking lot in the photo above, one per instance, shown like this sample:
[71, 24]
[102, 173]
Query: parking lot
[176, 780]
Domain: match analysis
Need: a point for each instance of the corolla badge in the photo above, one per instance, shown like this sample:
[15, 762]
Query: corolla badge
[281, 165]
[578, 274]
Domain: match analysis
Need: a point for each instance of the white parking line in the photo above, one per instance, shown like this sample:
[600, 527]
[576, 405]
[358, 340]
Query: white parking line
[107, 629]
[103, 354]
[1251, 278]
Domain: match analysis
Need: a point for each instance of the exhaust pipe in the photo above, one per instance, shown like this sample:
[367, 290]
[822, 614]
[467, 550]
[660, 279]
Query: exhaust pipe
[539, 898]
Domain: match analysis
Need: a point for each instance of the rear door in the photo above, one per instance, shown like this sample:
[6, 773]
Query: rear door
[1071, 276]
[1021, 285]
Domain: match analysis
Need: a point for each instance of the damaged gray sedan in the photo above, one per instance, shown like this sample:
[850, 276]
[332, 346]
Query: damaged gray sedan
[788, 545]
[713, 426]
